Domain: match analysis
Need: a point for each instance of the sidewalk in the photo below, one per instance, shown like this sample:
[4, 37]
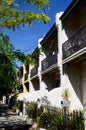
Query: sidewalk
[10, 120]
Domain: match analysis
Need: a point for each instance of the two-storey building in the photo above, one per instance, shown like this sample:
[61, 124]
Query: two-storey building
[73, 44]
[44, 75]
[62, 64]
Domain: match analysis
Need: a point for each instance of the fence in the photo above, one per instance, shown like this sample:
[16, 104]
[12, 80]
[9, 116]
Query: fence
[52, 118]
[59, 120]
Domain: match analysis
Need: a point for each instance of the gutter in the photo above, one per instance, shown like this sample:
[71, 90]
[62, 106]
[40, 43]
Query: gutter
[69, 9]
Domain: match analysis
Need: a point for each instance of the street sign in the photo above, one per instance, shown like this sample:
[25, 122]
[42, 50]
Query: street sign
[64, 103]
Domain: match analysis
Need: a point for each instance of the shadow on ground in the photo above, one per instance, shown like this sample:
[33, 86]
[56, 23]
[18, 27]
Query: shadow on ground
[9, 120]
[17, 127]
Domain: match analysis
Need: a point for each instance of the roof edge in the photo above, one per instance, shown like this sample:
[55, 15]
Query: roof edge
[69, 9]
[52, 29]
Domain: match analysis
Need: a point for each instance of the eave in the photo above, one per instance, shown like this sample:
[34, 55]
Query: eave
[74, 7]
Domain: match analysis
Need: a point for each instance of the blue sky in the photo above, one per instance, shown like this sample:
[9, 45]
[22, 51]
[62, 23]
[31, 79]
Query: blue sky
[25, 39]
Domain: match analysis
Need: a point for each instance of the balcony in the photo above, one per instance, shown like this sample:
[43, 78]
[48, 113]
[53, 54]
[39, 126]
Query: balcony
[34, 71]
[26, 77]
[49, 61]
[74, 44]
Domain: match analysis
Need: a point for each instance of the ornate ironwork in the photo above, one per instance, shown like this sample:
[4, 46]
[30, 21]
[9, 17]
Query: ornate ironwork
[75, 43]
[34, 71]
[49, 61]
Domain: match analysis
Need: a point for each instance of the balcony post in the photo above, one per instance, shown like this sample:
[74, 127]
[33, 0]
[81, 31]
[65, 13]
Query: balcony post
[59, 54]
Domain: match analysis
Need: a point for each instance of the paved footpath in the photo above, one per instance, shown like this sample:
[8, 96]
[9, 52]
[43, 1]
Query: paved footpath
[10, 120]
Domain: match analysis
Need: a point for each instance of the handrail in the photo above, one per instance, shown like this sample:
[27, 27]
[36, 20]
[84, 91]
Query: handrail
[75, 43]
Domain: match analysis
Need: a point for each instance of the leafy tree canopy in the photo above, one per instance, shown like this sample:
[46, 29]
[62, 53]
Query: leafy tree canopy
[12, 16]
[7, 65]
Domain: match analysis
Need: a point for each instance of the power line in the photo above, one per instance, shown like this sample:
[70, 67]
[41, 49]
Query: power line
[46, 14]
[30, 48]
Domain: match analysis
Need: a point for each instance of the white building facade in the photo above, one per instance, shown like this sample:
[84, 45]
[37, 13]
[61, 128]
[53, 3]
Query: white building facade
[62, 64]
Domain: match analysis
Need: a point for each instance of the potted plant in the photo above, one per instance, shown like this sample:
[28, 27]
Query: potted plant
[65, 96]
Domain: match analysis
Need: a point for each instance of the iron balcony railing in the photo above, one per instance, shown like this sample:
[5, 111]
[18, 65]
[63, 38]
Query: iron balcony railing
[26, 77]
[75, 43]
[34, 71]
[49, 61]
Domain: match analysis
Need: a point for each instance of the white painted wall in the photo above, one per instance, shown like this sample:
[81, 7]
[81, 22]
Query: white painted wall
[72, 81]
[54, 97]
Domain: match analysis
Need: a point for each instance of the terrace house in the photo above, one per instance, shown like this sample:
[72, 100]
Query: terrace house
[62, 64]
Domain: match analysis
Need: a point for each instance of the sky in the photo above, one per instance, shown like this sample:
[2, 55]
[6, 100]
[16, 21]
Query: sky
[26, 39]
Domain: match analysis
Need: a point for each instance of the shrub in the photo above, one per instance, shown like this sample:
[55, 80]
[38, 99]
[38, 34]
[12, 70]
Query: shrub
[77, 120]
[32, 110]
[50, 120]
[54, 119]
[19, 105]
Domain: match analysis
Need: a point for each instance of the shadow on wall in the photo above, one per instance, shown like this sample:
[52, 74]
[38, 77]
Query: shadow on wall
[73, 72]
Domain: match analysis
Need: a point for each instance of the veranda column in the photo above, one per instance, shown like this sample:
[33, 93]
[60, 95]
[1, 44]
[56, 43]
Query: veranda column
[41, 83]
[39, 68]
[59, 36]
